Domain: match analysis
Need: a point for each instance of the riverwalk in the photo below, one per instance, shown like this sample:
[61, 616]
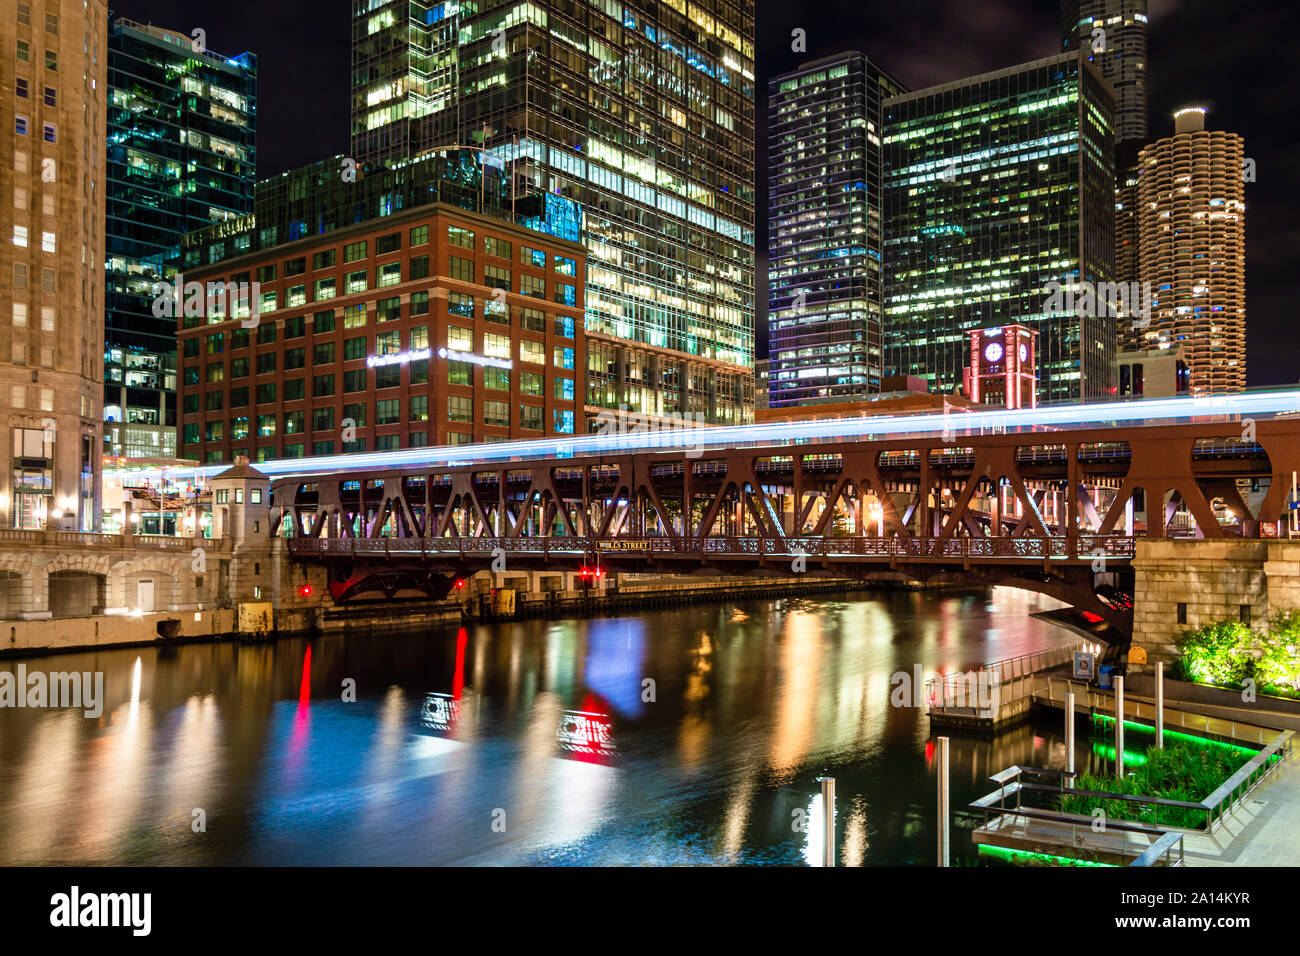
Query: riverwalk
[1263, 831]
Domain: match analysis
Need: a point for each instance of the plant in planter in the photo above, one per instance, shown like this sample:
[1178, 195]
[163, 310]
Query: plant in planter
[1180, 771]
[1215, 653]
[1228, 653]
[1279, 660]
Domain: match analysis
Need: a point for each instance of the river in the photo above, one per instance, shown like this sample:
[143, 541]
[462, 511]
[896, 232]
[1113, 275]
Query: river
[686, 736]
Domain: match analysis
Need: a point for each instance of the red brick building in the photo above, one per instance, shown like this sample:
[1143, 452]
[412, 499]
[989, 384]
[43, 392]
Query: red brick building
[427, 327]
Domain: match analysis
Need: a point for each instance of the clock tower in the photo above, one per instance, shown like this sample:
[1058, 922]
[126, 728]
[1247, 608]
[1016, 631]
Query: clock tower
[1003, 367]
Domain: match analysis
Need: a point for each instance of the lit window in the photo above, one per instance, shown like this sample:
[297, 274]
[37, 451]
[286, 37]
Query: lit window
[47, 242]
[20, 236]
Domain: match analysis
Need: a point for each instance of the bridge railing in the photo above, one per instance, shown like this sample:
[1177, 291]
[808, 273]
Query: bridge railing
[1013, 676]
[732, 546]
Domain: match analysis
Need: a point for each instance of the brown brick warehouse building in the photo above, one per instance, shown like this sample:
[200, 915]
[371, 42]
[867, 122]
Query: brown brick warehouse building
[432, 326]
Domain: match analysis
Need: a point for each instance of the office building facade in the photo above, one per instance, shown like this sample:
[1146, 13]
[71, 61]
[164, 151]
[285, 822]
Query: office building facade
[181, 156]
[1192, 249]
[53, 77]
[643, 114]
[826, 234]
[430, 326]
[999, 189]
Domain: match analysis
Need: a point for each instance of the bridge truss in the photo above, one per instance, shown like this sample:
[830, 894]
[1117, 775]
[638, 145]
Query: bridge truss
[1057, 512]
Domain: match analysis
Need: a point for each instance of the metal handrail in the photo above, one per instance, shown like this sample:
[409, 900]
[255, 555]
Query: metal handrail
[1162, 846]
[1115, 546]
[1265, 763]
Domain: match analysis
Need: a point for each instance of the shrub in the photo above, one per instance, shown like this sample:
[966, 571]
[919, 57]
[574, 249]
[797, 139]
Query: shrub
[1216, 653]
[1229, 653]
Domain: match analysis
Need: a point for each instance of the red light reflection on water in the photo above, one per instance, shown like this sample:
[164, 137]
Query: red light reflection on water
[458, 681]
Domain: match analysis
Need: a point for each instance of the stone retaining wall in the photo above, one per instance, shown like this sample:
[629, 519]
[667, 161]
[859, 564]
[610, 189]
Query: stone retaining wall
[1213, 580]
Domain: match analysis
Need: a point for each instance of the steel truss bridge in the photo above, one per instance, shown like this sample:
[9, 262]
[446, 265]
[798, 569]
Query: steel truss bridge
[983, 497]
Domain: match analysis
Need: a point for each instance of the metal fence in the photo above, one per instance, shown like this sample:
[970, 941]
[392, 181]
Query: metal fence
[888, 548]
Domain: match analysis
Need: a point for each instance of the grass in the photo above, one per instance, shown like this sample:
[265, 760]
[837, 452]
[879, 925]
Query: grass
[1181, 771]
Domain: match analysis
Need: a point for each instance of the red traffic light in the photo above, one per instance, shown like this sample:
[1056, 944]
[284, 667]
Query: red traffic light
[460, 583]
[305, 590]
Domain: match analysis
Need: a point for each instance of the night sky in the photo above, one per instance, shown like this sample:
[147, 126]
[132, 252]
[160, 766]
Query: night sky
[1238, 58]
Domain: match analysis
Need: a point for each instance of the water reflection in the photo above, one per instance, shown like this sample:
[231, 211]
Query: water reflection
[688, 736]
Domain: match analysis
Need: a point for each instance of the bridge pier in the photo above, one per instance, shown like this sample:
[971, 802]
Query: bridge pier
[1183, 584]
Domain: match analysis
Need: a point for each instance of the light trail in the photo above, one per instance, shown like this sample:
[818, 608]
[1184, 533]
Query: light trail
[957, 425]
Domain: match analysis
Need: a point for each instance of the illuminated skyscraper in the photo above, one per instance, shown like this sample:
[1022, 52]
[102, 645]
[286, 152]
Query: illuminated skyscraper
[1192, 249]
[826, 246]
[181, 156]
[1113, 35]
[52, 70]
[643, 113]
[998, 189]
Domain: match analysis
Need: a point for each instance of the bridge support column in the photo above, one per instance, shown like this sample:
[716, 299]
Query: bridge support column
[1184, 584]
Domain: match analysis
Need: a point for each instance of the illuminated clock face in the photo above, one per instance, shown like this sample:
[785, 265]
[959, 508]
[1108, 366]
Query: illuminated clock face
[1024, 352]
[993, 352]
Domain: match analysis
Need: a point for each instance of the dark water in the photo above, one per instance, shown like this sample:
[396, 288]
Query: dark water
[523, 743]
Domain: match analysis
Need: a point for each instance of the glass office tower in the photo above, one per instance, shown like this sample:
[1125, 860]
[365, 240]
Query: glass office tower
[642, 113]
[181, 156]
[1113, 35]
[996, 187]
[826, 288]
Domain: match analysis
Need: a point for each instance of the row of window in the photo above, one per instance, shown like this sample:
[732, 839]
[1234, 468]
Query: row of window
[215, 343]
[386, 310]
[22, 89]
[21, 124]
[386, 275]
[386, 376]
[418, 439]
[25, 18]
[48, 239]
[460, 409]
[23, 54]
[458, 373]
[419, 236]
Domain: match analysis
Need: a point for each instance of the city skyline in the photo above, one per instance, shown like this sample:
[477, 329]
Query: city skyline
[645, 433]
[921, 45]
